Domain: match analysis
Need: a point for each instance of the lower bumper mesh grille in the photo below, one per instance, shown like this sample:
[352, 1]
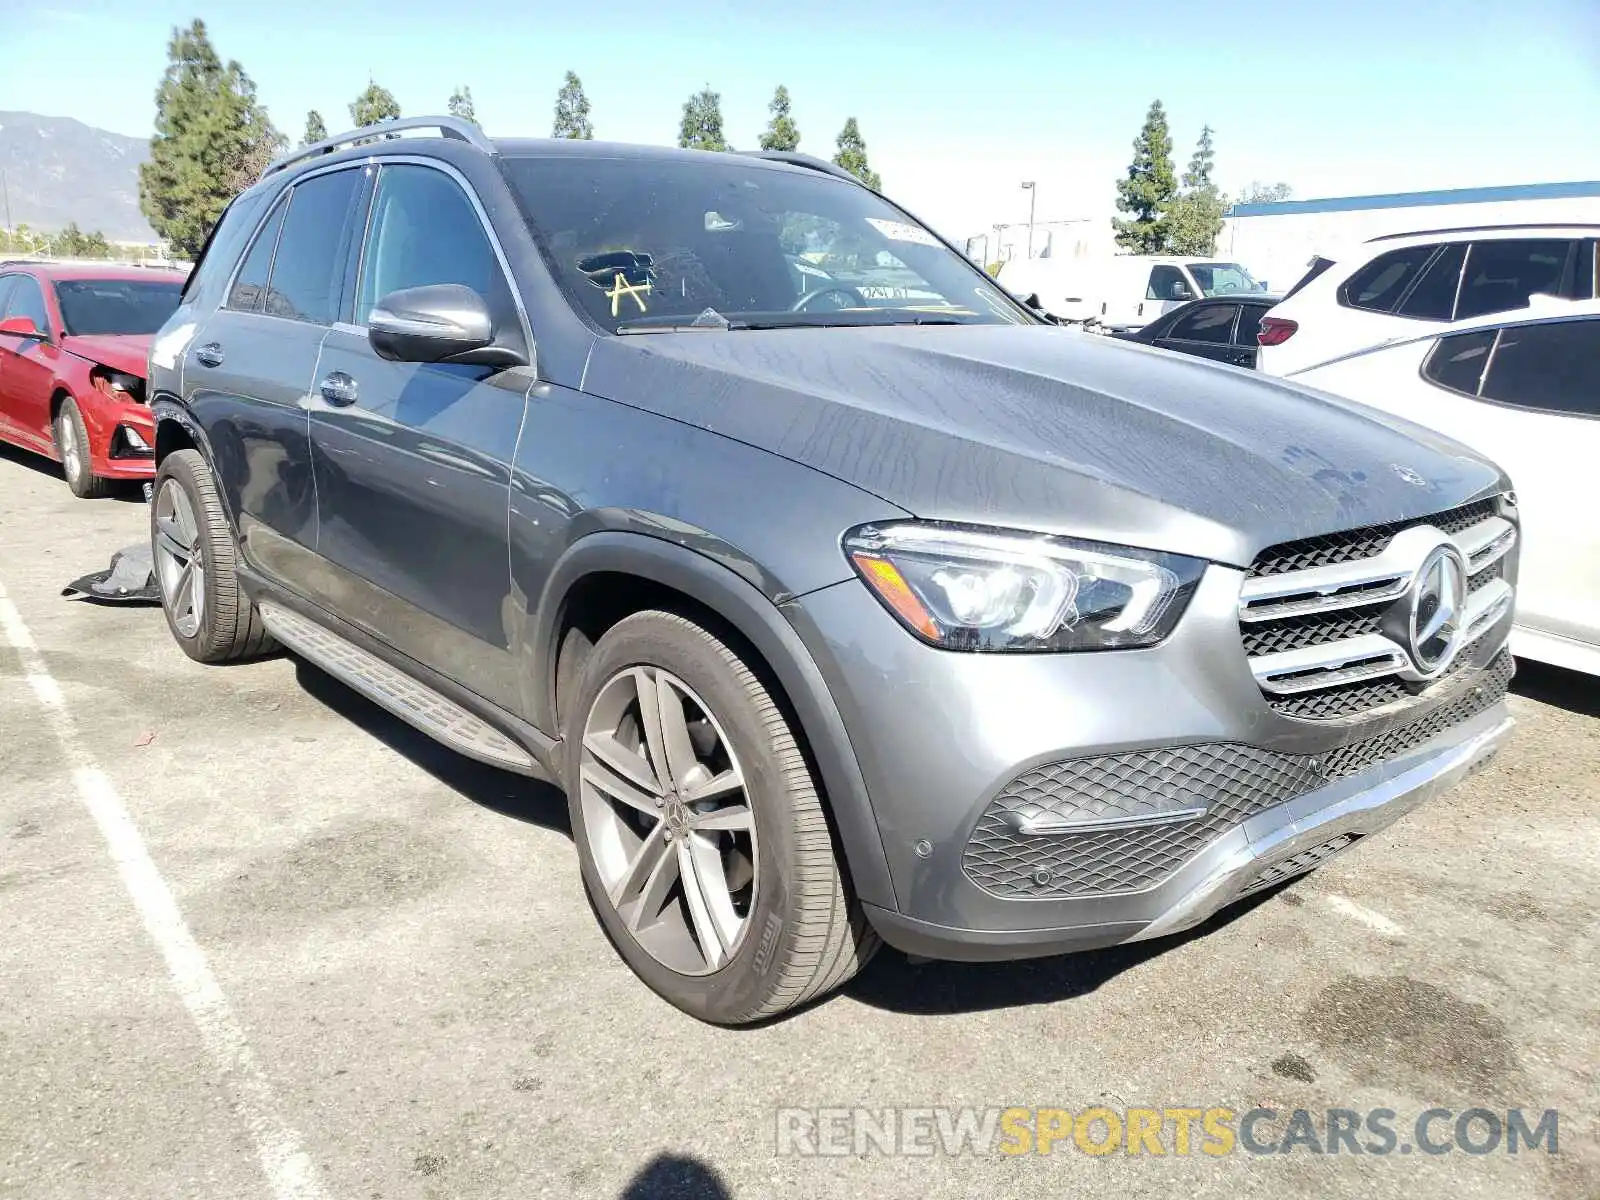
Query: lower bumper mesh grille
[1233, 781]
[1305, 861]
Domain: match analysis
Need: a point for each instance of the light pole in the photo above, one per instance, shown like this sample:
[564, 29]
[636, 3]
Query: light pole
[1033, 202]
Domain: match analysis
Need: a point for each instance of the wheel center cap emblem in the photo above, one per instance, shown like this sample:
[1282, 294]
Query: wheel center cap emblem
[677, 816]
[1437, 601]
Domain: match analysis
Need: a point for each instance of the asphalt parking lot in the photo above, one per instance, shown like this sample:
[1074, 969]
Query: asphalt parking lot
[261, 940]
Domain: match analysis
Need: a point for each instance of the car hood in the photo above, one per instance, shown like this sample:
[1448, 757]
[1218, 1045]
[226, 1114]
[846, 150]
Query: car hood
[1044, 428]
[121, 351]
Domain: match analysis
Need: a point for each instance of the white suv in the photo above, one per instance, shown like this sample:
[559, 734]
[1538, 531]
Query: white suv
[1525, 388]
[1403, 285]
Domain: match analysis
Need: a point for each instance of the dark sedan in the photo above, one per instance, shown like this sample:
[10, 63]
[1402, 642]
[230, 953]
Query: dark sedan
[1219, 327]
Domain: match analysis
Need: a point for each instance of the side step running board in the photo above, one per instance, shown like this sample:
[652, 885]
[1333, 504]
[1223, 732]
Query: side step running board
[434, 714]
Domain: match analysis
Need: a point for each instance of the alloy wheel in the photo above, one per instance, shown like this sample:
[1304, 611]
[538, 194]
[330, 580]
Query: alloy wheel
[668, 819]
[71, 453]
[179, 566]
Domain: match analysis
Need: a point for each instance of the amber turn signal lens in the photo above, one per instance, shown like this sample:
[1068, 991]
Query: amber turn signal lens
[884, 579]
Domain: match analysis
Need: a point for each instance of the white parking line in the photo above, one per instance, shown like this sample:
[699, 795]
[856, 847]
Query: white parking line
[288, 1169]
[1367, 916]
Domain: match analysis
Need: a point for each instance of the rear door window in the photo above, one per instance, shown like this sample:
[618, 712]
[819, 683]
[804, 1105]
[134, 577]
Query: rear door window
[6, 282]
[1501, 275]
[1550, 366]
[222, 246]
[1379, 285]
[1456, 362]
[308, 268]
[1208, 323]
[1433, 297]
[249, 288]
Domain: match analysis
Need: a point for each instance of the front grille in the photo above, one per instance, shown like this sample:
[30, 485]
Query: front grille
[1351, 544]
[1293, 632]
[1341, 700]
[1232, 781]
[1487, 690]
[1321, 607]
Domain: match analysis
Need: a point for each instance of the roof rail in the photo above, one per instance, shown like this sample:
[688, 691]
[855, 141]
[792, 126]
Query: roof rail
[1390, 237]
[795, 159]
[451, 127]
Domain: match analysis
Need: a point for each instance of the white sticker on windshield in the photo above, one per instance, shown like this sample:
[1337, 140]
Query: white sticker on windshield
[899, 231]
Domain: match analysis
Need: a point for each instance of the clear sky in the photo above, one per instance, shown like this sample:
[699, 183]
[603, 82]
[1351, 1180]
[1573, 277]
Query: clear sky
[958, 102]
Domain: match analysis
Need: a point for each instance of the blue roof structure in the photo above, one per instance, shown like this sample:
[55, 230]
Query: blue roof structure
[1479, 195]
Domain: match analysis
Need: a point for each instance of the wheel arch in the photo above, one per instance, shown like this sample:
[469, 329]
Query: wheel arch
[608, 575]
[59, 395]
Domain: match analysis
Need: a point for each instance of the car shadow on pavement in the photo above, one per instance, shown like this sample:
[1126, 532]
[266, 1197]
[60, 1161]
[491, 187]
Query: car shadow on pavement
[504, 792]
[44, 466]
[676, 1177]
[1572, 690]
[895, 983]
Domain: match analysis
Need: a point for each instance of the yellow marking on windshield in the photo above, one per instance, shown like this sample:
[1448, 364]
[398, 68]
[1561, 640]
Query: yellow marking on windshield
[621, 287]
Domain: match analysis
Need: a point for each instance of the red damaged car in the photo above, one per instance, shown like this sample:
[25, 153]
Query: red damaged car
[74, 338]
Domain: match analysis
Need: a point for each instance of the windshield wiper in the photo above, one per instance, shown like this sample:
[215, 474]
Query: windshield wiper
[708, 319]
[842, 319]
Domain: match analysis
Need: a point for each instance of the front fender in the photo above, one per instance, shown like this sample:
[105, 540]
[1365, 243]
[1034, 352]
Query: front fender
[763, 625]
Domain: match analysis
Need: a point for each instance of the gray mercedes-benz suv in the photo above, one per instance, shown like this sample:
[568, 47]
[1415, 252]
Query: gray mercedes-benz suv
[841, 595]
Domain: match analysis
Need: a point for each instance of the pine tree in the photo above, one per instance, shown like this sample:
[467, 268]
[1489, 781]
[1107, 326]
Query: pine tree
[572, 111]
[1149, 189]
[852, 155]
[782, 133]
[212, 138]
[316, 130]
[1194, 219]
[701, 127]
[1201, 162]
[461, 105]
[373, 105]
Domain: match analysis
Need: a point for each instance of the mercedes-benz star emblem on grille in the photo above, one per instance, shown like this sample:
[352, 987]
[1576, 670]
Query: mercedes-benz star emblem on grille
[1410, 476]
[1438, 596]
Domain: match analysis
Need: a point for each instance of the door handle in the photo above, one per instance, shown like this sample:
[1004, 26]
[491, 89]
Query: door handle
[209, 355]
[338, 389]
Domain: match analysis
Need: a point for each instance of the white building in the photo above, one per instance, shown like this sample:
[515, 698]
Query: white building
[1276, 241]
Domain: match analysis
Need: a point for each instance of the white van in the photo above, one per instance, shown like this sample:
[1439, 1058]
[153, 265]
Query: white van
[1124, 292]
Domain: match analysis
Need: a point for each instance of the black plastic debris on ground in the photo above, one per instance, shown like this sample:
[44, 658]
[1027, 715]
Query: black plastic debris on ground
[129, 580]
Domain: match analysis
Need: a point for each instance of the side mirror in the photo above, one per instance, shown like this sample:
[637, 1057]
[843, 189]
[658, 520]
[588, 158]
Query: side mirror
[440, 322]
[1182, 291]
[21, 326]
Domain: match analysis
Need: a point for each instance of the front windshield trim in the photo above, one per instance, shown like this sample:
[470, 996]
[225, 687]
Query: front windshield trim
[986, 295]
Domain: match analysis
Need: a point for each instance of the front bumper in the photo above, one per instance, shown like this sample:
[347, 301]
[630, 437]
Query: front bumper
[1279, 844]
[110, 455]
[943, 739]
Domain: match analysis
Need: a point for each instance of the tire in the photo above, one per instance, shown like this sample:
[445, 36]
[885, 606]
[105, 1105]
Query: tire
[77, 464]
[187, 525]
[800, 934]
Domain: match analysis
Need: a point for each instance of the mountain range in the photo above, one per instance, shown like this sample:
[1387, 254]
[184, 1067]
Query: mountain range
[56, 170]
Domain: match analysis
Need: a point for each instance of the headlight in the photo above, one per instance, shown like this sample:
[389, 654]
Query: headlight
[975, 589]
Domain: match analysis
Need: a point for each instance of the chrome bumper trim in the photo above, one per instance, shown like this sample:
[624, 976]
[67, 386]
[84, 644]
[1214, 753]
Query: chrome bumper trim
[1055, 826]
[1281, 833]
